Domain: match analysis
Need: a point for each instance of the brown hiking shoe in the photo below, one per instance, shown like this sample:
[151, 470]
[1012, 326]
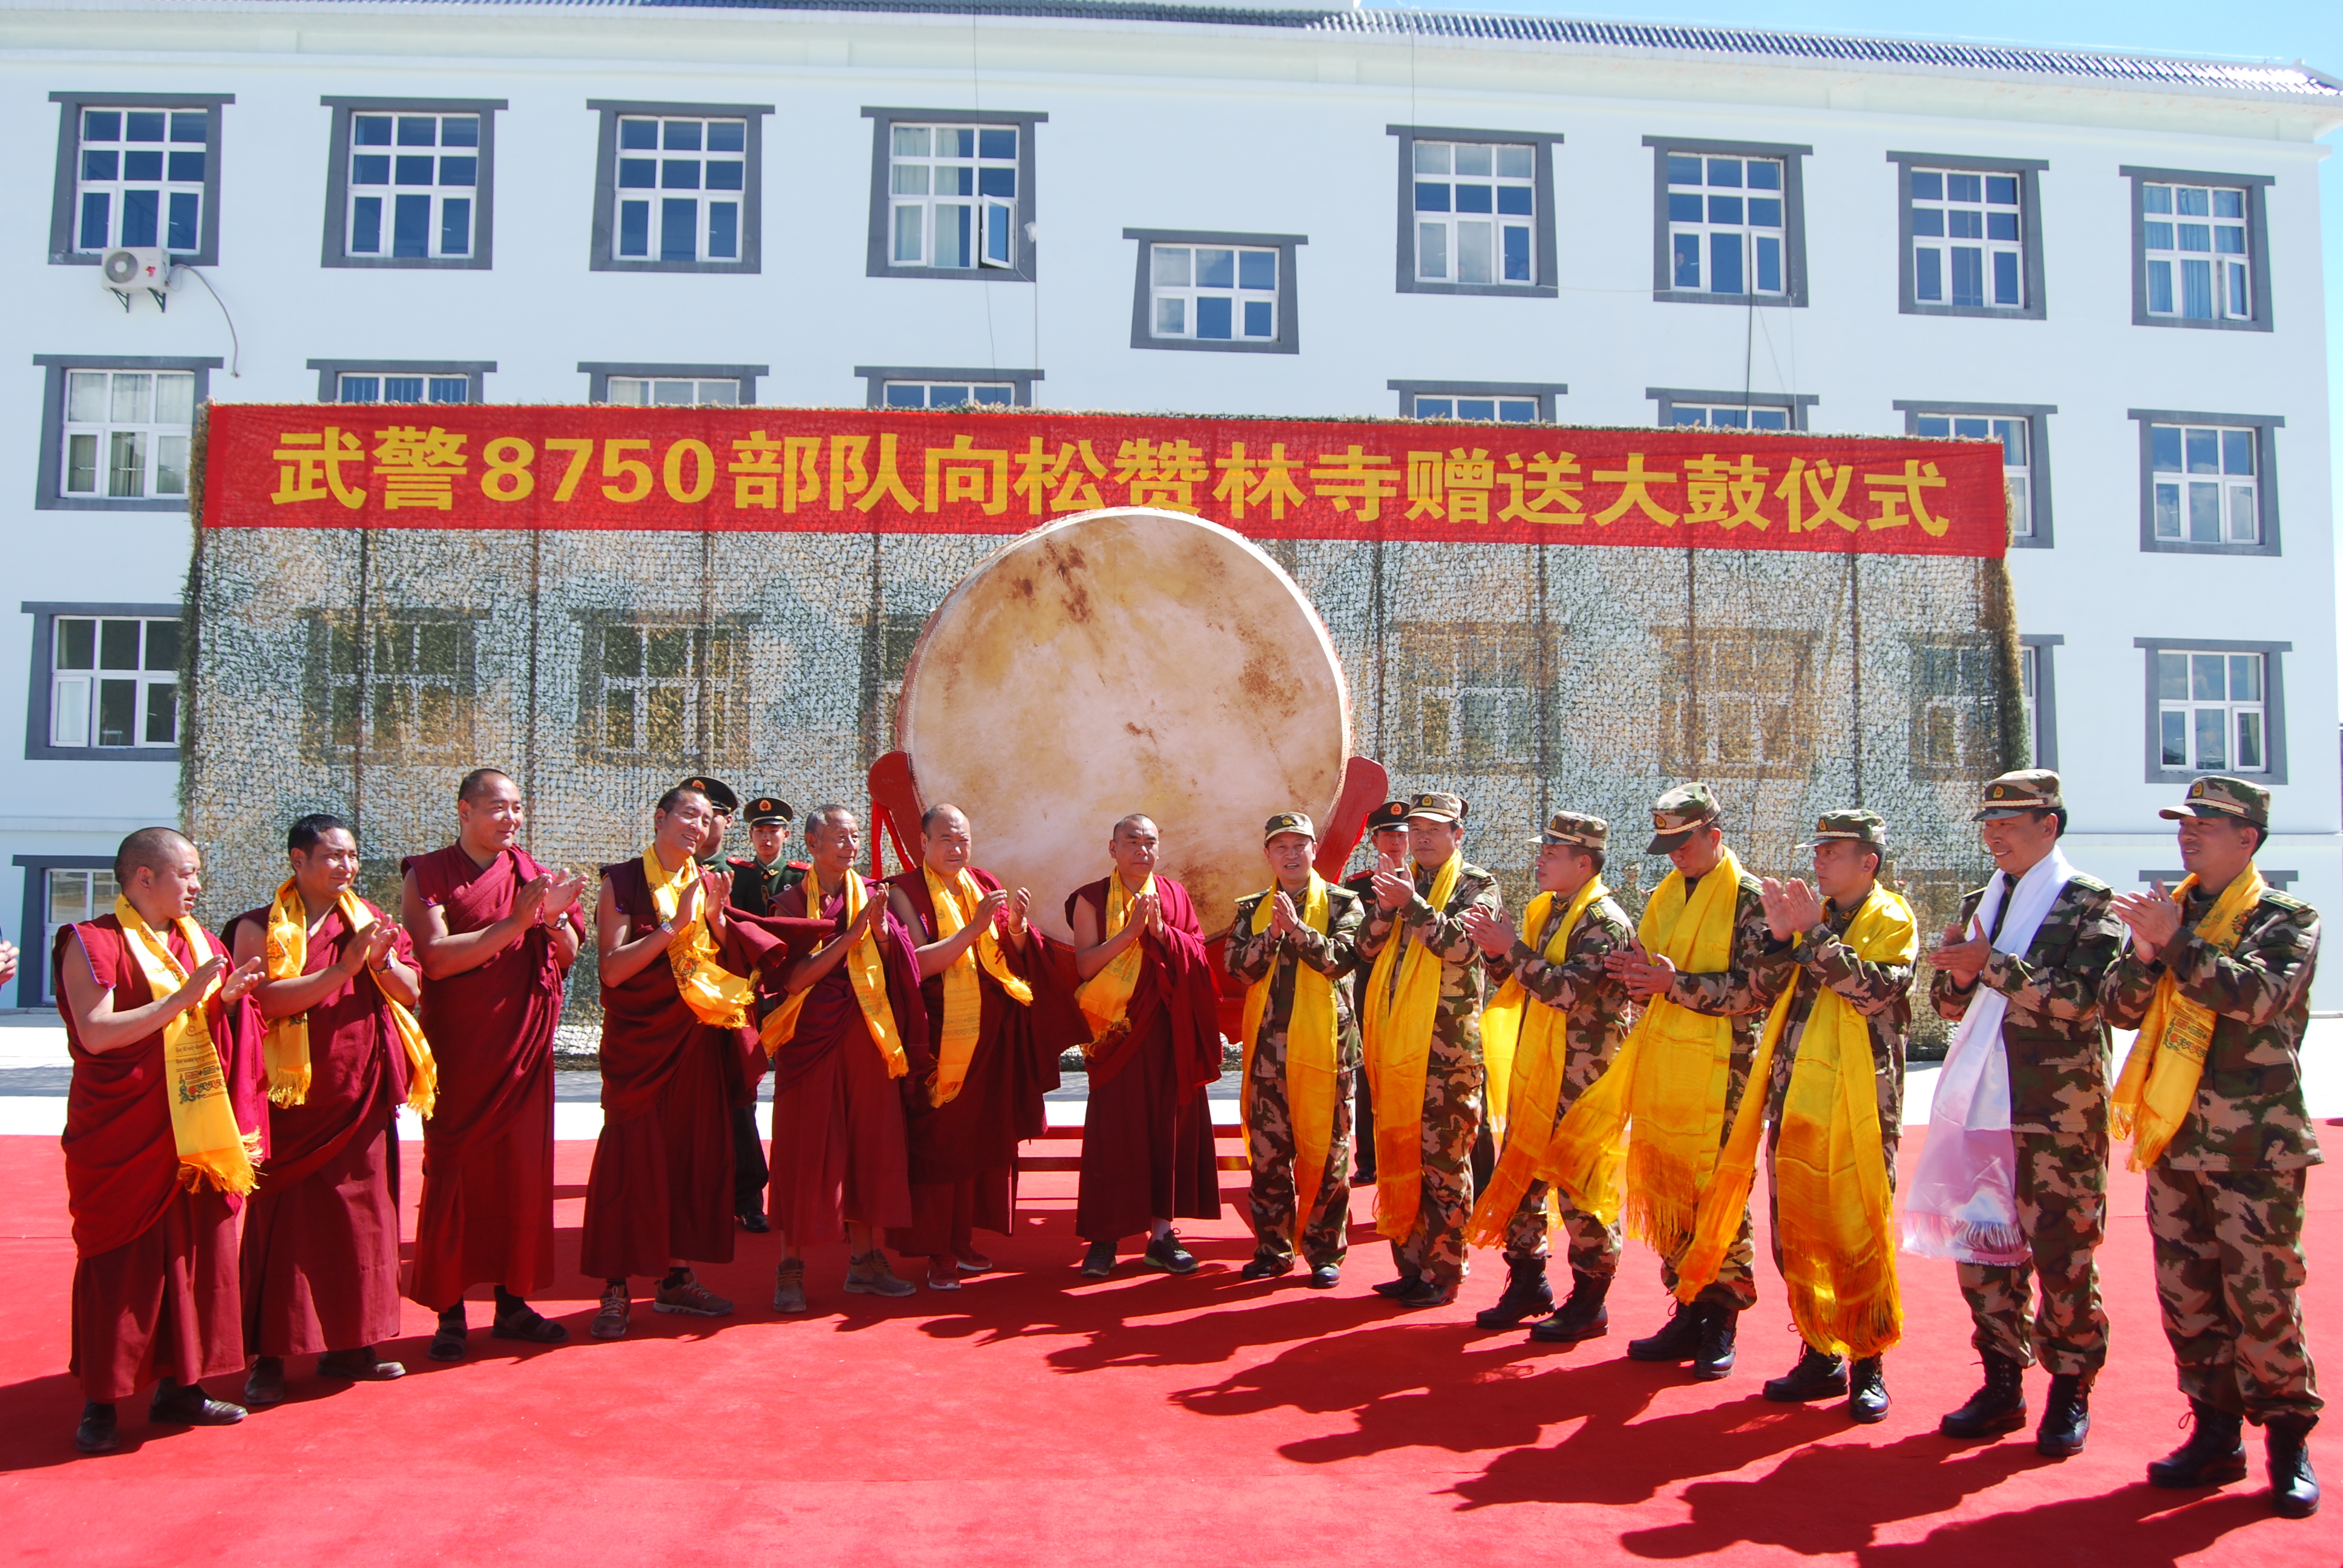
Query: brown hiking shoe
[690, 1298]
[610, 1323]
[788, 1286]
[868, 1275]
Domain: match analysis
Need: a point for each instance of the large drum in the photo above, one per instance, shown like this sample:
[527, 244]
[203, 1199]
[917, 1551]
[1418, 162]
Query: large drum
[1120, 661]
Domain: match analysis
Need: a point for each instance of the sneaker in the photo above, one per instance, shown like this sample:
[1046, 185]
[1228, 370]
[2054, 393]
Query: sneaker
[1266, 1266]
[1166, 1253]
[264, 1384]
[868, 1275]
[973, 1263]
[690, 1298]
[942, 1275]
[610, 1322]
[788, 1286]
[1326, 1276]
[1098, 1261]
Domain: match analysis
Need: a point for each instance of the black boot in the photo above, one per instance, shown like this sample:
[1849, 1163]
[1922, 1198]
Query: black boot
[1866, 1393]
[2066, 1417]
[96, 1432]
[1719, 1322]
[1998, 1407]
[2294, 1487]
[2214, 1453]
[1527, 1295]
[1677, 1341]
[1817, 1376]
[1583, 1317]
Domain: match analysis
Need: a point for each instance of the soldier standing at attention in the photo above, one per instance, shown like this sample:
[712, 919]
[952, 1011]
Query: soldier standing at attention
[727, 806]
[1423, 1027]
[2036, 940]
[1292, 945]
[1567, 1015]
[1387, 841]
[758, 879]
[2217, 982]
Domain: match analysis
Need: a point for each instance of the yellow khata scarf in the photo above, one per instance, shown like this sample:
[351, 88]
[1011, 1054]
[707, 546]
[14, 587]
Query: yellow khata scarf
[1403, 1007]
[1669, 1079]
[1534, 1038]
[2159, 1077]
[211, 1146]
[956, 904]
[286, 1048]
[715, 995]
[1311, 1057]
[1105, 996]
[1835, 1227]
[864, 966]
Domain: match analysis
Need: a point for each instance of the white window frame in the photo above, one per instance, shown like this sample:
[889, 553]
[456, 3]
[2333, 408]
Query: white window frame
[923, 394]
[105, 432]
[674, 391]
[2228, 710]
[453, 172]
[390, 387]
[181, 180]
[1750, 236]
[988, 206]
[1953, 202]
[1506, 174]
[2016, 473]
[2217, 506]
[2038, 683]
[680, 144]
[78, 679]
[1772, 417]
[97, 891]
[1005, 388]
[1177, 289]
[1472, 409]
[1495, 402]
[435, 378]
[2186, 226]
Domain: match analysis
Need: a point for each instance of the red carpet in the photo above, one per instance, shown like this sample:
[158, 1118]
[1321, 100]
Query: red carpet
[1038, 1418]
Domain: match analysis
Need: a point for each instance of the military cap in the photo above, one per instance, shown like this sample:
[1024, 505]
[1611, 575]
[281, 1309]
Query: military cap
[1676, 814]
[2015, 794]
[1577, 829]
[719, 794]
[1438, 807]
[770, 809]
[2216, 795]
[1859, 826]
[1288, 822]
[1390, 817]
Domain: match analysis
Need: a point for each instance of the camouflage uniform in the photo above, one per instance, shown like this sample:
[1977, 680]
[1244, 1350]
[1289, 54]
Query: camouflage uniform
[2058, 1049]
[1269, 1143]
[1599, 1013]
[1453, 1079]
[2225, 1202]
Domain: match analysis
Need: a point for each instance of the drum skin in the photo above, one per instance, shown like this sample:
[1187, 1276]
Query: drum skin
[1118, 661]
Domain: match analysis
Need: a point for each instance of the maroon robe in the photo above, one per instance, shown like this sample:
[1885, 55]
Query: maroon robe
[661, 1185]
[487, 1215]
[963, 1154]
[320, 1261]
[155, 1284]
[1147, 1129]
[839, 1151]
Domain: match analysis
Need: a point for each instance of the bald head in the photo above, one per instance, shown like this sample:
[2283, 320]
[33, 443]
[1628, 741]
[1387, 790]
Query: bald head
[159, 873]
[149, 848]
[1137, 823]
[480, 783]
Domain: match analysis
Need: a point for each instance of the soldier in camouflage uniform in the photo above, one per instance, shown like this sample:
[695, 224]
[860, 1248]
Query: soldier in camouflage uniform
[1277, 951]
[1807, 947]
[1597, 1016]
[1688, 828]
[2225, 1199]
[1386, 836]
[1430, 1260]
[2057, 1044]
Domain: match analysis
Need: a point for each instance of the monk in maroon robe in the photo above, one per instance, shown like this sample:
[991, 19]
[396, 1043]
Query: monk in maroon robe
[963, 1151]
[154, 1225]
[659, 1197]
[1147, 1130]
[842, 1084]
[320, 1272]
[495, 933]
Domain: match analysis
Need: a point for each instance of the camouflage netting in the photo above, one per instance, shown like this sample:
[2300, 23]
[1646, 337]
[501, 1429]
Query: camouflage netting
[365, 671]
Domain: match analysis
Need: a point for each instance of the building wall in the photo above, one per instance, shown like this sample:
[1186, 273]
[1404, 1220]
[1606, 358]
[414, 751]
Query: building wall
[1222, 130]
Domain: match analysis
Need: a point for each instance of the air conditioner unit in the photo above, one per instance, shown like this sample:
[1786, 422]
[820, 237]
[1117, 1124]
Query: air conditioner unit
[124, 268]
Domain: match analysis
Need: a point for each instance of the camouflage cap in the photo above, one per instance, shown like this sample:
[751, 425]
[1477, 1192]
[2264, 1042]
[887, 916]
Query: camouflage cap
[1676, 814]
[1577, 829]
[1390, 817]
[770, 809]
[1858, 827]
[1439, 808]
[1288, 822]
[2015, 794]
[2218, 795]
[719, 794]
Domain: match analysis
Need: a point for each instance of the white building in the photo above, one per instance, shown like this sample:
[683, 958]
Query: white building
[2111, 262]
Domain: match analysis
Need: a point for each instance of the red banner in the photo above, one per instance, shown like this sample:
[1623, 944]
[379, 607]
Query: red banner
[1003, 471]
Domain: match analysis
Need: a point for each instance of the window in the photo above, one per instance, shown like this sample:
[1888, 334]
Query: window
[1738, 703]
[1732, 410]
[104, 683]
[409, 700]
[927, 387]
[2206, 482]
[2214, 706]
[1968, 243]
[665, 693]
[1728, 224]
[72, 894]
[402, 380]
[1464, 699]
[1955, 730]
[114, 431]
[2028, 662]
[2016, 475]
[1475, 211]
[1214, 291]
[677, 188]
[951, 193]
[136, 169]
[127, 433]
[411, 182]
[672, 386]
[2201, 245]
[1496, 410]
[2038, 681]
[2023, 430]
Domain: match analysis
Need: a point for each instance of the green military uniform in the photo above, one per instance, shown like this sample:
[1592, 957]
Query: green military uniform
[1278, 1210]
[2225, 1202]
[1433, 1251]
[2057, 1044]
[755, 887]
[1382, 819]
